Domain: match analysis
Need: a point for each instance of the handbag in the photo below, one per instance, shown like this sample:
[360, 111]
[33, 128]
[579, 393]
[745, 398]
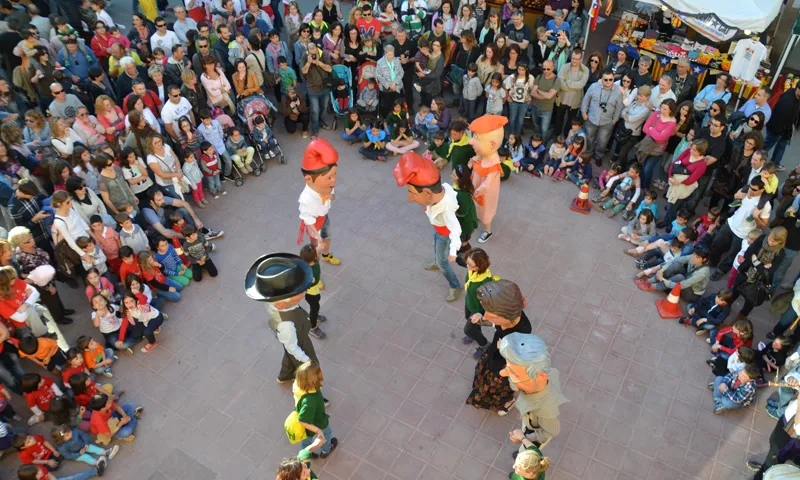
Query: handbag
[623, 135]
[757, 292]
[648, 147]
[456, 74]
[295, 431]
[270, 80]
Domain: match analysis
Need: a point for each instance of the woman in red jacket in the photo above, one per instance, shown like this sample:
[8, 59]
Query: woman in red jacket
[657, 130]
[17, 300]
[101, 43]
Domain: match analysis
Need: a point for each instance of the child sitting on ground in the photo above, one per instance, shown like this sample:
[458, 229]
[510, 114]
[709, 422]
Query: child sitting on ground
[680, 222]
[662, 243]
[649, 203]
[210, 163]
[709, 313]
[437, 150]
[354, 130]
[729, 339]
[137, 310]
[581, 172]
[108, 240]
[130, 265]
[706, 223]
[38, 392]
[734, 390]
[639, 229]
[506, 163]
[534, 155]
[402, 139]
[130, 234]
[313, 294]
[152, 274]
[374, 145]
[74, 365]
[109, 420]
[342, 95]
[626, 188]
[516, 150]
[198, 251]
[171, 263]
[75, 445]
[557, 151]
[748, 240]
[95, 284]
[108, 319]
[741, 357]
[656, 257]
[771, 357]
[570, 158]
[42, 351]
[96, 358]
[368, 96]
[397, 114]
[262, 133]
[35, 450]
[602, 181]
[425, 124]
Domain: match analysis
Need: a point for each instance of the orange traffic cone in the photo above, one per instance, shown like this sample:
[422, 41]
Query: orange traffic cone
[669, 307]
[581, 203]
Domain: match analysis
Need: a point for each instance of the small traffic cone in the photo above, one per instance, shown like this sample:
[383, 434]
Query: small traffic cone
[581, 203]
[669, 307]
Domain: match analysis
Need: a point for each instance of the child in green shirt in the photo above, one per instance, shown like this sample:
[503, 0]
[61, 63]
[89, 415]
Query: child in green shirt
[287, 76]
[437, 149]
[530, 463]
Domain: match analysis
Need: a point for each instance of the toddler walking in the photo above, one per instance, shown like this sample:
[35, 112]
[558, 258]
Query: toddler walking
[313, 295]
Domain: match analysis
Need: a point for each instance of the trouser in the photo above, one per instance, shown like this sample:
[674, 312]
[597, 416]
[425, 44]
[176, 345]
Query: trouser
[89, 459]
[127, 429]
[699, 192]
[214, 183]
[109, 352]
[623, 151]
[676, 273]
[775, 140]
[197, 192]
[404, 149]
[11, 371]
[777, 441]
[53, 303]
[441, 252]
[748, 305]
[724, 248]
[372, 153]
[541, 121]
[780, 271]
[720, 399]
[171, 296]
[786, 320]
[597, 137]
[649, 168]
[357, 136]
[248, 158]
[471, 108]
[326, 447]
[563, 119]
[672, 211]
[276, 10]
[318, 104]
[197, 270]
[226, 163]
[516, 117]
[291, 125]
[474, 331]
[313, 310]
[151, 327]
[408, 90]
[183, 278]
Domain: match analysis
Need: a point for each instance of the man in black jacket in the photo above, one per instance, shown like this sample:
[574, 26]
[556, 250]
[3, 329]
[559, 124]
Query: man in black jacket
[782, 123]
[684, 84]
[224, 38]
[405, 49]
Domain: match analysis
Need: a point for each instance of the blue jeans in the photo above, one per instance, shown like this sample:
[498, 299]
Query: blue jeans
[326, 447]
[226, 163]
[576, 178]
[318, 102]
[541, 121]
[785, 321]
[777, 141]
[441, 252]
[171, 296]
[80, 476]
[780, 272]
[157, 302]
[356, 136]
[214, 184]
[152, 326]
[89, 459]
[427, 130]
[516, 116]
[648, 170]
[720, 400]
[128, 429]
[11, 371]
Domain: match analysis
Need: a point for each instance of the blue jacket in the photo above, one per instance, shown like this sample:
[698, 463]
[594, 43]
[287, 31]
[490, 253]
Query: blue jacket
[77, 64]
[707, 308]
[71, 449]
[170, 262]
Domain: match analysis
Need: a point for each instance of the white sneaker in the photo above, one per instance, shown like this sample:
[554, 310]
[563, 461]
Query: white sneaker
[270, 154]
[111, 452]
[485, 236]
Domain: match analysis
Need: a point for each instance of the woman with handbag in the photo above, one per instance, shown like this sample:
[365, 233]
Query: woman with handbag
[657, 130]
[467, 53]
[683, 177]
[754, 281]
[68, 226]
[734, 174]
[629, 131]
[684, 122]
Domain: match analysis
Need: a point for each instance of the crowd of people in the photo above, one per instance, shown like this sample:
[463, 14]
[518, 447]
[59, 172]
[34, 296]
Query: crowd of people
[107, 130]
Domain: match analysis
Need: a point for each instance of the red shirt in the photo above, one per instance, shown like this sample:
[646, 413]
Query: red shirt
[128, 268]
[100, 44]
[41, 398]
[737, 341]
[150, 100]
[368, 28]
[83, 399]
[9, 306]
[37, 452]
[68, 372]
[154, 274]
[99, 422]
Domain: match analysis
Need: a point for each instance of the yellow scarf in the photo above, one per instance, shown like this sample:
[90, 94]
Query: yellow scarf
[297, 393]
[478, 277]
[464, 141]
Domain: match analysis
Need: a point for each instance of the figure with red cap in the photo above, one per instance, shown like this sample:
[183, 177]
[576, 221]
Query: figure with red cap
[425, 187]
[487, 138]
[319, 172]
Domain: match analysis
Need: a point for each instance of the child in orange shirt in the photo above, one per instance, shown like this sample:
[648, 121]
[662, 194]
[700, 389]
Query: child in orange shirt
[96, 358]
[42, 351]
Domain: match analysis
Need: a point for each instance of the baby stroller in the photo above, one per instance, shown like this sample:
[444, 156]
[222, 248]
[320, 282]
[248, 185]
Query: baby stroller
[247, 110]
[365, 72]
[341, 72]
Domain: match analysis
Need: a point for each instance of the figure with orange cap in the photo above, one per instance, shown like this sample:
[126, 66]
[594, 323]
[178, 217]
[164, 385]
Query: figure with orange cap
[487, 138]
[319, 173]
[425, 187]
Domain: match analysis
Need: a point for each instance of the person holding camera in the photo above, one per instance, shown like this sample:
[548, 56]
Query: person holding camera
[601, 108]
[316, 69]
[294, 110]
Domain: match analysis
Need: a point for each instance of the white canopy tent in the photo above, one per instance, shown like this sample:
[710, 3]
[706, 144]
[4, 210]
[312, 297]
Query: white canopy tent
[752, 15]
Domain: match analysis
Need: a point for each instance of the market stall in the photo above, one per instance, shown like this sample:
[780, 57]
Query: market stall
[668, 30]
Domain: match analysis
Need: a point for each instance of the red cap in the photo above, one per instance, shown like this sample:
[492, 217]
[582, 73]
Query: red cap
[415, 170]
[318, 155]
[487, 123]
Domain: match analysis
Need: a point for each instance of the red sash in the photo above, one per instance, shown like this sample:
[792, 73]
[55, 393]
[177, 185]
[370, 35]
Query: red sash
[318, 223]
[443, 230]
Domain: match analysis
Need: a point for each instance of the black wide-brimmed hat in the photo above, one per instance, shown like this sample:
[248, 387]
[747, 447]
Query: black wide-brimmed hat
[277, 276]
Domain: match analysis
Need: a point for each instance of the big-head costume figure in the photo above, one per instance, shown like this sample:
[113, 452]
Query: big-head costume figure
[487, 138]
[281, 279]
[528, 371]
[319, 169]
[425, 187]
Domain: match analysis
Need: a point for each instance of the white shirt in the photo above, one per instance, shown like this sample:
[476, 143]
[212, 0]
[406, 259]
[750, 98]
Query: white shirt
[312, 206]
[740, 225]
[104, 17]
[168, 164]
[171, 113]
[181, 27]
[753, 173]
[69, 228]
[108, 322]
[149, 117]
[443, 214]
[67, 144]
[747, 56]
[166, 42]
[791, 410]
[745, 245]
[656, 97]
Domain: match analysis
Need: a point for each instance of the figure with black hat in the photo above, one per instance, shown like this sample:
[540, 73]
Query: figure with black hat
[281, 279]
[319, 173]
[425, 188]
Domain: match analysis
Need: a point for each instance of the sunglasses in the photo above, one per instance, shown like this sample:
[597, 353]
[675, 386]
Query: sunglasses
[29, 120]
[174, 95]
[366, 14]
[608, 79]
[161, 25]
[58, 92]
[547, 69]
[202, 46]
[594, 60]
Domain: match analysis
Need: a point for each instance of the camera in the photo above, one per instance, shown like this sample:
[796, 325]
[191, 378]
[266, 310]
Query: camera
[313, 56]
[603, 106]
